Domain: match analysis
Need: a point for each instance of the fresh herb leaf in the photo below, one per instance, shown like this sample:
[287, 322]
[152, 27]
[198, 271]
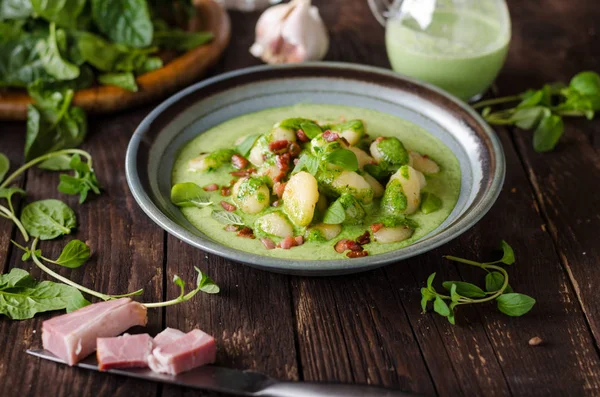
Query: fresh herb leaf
[124, 21]
[465, 289]
[189, 194]
[344, 158]
[110, 57]
[4, 166]
[310, 129]
[426, 296]
[21, 297]
[227, 218]
[82, 182]
[75, 254]
[430, 282]
[203, 283]
[547, 133]
[20, 63]
[508, 255]
[494, 282]
[57, 163]
[430, 203]
[125, 80]
[586, 83]
[335, 214]
[246, 145]
[514, 304]
[15, 9]
[180, 40]
[308, 162]
[63, 12]
[441, 307]
[51, 58]
[48, 219]
[530, 117]
[149, 64]
[8, 192]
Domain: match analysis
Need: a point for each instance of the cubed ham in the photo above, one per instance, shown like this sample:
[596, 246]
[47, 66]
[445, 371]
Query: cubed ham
[72, 336]
[127, 351]
[192, 350]
[167, 336]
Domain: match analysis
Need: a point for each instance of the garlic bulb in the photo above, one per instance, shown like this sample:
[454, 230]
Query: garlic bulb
[289, 33]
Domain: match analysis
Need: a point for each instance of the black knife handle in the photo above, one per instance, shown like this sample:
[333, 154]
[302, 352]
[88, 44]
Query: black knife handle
[302, 389]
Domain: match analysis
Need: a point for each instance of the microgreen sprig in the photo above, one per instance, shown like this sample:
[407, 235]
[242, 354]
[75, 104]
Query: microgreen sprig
[462, 293]
[543, 110]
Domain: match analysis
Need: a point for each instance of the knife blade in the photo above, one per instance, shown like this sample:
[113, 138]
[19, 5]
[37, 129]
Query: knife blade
[237, 382]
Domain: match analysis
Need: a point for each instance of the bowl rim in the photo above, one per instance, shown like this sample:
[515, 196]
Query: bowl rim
[313, 267]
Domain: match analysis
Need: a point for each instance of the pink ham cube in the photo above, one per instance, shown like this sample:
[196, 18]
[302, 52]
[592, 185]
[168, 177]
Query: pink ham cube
[72, 336]
[127, 351]
[167, 336]
[192, 350]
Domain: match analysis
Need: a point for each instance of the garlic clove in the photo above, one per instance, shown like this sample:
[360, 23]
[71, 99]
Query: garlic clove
[292, 32]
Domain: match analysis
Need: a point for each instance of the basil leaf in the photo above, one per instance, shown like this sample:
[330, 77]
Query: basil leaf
[81, 182]
[494, 281]
[430, 282]
[531, 98]
[8, 192]
[206, 284]
[48, 219]
[124, 21]
[310, 129]
[179, 40]
[125, 80]
[547, 133]
[335, 214]
[344, 158]
[246, 145]
[440, 307]
[52, 60]
[57, 163]
[62, 12]
[309, 162]
[515, 304]
[508, 255]
[75, 254]
[430, 203]
[227, 218]
[529, 118]
[293, 123]
[4, 166]
[426, 296]
[189, 194]
[450, 317]
[586, 83]
[181, 284]
[21, 297]
[465, 289]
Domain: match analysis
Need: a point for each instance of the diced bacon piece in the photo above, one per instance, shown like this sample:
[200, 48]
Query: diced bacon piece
[72, 336]
[363, 239]
[287, 243]
[302, 136]
[354, 246]
[295, 149]
[376, 226]
[268, 243]
[238, 161]
[341, 246]
[225, 191]
[299, 240]
[246, 232]
[228, 206]
[357, 254]
[167, 336]
[211, 188]
[192, 350]
[232, 228]
[280, 146]
[242, 173]
[283, 162]
[330, 136]
[279, 177]
[127, 351]
[278, 189]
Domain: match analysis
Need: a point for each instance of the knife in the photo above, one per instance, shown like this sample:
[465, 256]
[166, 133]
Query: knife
[240, 383]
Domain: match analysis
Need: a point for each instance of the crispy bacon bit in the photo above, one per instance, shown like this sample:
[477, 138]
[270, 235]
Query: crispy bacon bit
[227, 206]
[268, 243]
[302, 136]
[211, 187]
[238, 161]
[330, 136]
[245, 172]
[280, 146]
[283, 162]
[357, 254]
[295, 149]
[225, 191]
[299, 240]
[232, 228]
[376, 226]
[246, 232]
[342, 246]
[287, 243]
[233, 181]
[279, 177]
[278, 189]
[379, 139]
[354, 246]
[275, 203]
[363, 239]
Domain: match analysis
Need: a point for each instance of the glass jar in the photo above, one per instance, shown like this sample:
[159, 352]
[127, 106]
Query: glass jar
[458, 45]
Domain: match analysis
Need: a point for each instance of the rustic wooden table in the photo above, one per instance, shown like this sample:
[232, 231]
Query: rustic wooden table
[365, 328]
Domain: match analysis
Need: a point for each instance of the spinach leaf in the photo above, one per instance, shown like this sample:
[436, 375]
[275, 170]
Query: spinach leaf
[150, 64]
[11, 30]
[15, 9]
[48, 219]
[180, 40]
[75, 254]
[81, 182]
[51, 58]
[8, 192]
[4, 166]
[109, 57]
[20, 63]
[125, 80]
[62, 12]
[547, 133]
[21, 297]
[189, 194]
[124, 21]
[57, 163]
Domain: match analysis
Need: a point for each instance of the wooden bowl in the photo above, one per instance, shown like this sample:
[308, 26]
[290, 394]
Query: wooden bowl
[178, 72]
